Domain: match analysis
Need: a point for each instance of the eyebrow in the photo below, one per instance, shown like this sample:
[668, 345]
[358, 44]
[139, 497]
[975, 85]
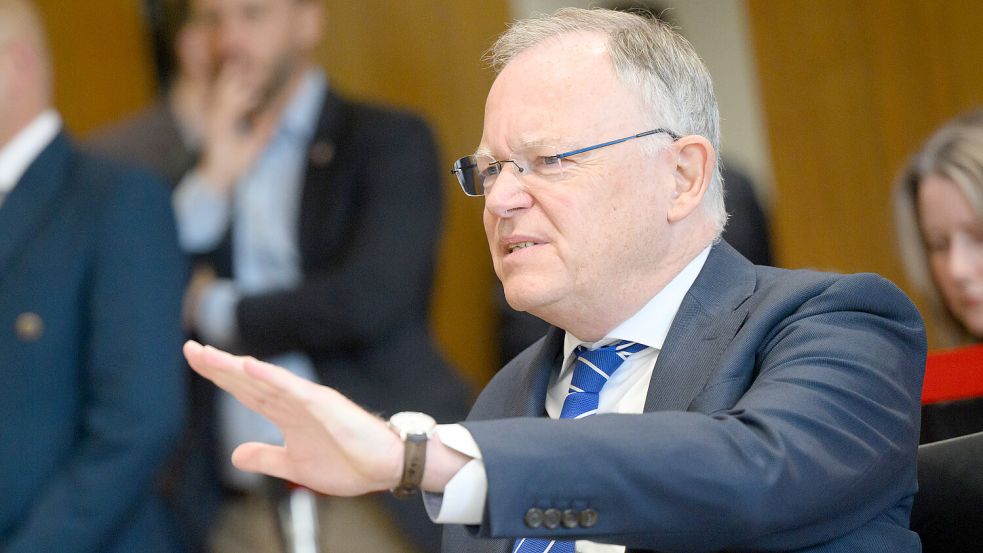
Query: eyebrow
[527, 144]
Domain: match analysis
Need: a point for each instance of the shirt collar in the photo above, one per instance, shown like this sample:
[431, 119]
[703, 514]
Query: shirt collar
[651, 323]
[300, 117]
[18, 154]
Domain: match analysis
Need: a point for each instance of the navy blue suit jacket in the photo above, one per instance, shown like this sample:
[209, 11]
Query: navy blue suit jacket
[782, 415]
[91, 279]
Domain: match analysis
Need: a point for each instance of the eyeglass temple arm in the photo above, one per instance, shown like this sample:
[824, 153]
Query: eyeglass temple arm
[618, 141]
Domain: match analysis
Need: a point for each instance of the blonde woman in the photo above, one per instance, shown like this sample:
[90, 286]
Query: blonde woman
[938, 206]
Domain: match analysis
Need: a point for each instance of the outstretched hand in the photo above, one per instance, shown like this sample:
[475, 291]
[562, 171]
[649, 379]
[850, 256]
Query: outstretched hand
[331, 445]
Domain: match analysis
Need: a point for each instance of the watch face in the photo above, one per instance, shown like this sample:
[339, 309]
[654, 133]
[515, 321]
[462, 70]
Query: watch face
[412, 422]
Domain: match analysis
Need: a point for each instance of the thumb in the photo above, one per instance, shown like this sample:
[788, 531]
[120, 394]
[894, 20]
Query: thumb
[263, 458]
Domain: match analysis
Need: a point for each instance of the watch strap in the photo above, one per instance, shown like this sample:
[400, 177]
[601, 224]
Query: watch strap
[414, 461]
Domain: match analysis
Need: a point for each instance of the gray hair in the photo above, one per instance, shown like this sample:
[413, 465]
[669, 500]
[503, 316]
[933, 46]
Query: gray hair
[647, 55]
[954, 152]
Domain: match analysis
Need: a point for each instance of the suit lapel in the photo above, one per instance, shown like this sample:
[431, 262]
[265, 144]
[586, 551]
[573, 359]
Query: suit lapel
[333, 127]
[529, 395]
[711, 314]
[32, 201]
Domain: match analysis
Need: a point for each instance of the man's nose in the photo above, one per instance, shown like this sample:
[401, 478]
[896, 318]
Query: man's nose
[508, 194]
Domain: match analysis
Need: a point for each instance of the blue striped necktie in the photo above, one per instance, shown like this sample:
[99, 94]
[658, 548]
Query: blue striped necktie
[591, 371]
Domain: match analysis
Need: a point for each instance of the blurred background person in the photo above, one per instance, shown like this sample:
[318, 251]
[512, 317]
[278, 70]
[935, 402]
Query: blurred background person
[938, 208]
[91, 279]
[306, 254]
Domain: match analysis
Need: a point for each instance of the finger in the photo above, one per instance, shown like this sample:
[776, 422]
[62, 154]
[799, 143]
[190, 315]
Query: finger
[225, 370]
[263, 458]
[289, 397]
[301, 397]
[277, 378]
[195, 354]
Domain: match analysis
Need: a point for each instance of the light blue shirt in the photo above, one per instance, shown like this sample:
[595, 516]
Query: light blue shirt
[263, 210]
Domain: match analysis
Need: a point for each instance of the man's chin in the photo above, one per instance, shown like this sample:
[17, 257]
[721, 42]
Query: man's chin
[525, 296]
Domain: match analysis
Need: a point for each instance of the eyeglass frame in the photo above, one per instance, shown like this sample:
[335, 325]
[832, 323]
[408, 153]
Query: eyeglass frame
[458, 170]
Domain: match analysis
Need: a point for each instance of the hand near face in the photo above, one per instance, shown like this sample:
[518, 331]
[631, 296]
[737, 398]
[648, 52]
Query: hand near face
[330, 445]
[236, 127]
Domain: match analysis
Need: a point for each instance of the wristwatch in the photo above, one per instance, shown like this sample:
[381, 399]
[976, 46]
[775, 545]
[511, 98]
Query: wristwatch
[415, 430]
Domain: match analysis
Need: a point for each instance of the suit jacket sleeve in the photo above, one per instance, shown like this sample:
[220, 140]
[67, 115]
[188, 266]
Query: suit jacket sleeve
[134, 396]
[820, 440]
[380, 276]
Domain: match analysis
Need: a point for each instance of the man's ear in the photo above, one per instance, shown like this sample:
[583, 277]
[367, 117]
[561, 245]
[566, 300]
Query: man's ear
[694, 169]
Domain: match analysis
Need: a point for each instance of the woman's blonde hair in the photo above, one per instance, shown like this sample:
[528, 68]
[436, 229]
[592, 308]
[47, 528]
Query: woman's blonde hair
[954, 152]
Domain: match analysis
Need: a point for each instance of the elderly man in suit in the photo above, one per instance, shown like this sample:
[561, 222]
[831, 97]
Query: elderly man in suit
[685, 399]
[91, 279]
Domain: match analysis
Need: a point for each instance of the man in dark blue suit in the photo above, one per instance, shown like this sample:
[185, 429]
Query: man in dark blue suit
[704, 403]
[91, 279]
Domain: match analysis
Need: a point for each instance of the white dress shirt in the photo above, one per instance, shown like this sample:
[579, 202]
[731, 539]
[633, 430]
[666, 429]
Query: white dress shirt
[18, 154]
[463, 500]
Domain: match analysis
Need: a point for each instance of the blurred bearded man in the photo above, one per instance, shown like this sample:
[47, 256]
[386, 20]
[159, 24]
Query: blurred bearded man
[296, 210]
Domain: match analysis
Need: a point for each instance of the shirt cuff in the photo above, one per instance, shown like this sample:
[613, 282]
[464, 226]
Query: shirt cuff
[463, 500]
[215, 318]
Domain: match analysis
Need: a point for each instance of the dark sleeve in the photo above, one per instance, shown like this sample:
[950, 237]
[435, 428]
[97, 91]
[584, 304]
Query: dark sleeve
[134, 397]
[382, 277]
[821, 443]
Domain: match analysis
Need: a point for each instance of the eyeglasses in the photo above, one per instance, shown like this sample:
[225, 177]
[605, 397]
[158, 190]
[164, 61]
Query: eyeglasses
[477, 174]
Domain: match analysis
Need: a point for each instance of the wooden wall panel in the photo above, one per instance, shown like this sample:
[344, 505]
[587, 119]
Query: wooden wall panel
[102, 60]
[850, 89]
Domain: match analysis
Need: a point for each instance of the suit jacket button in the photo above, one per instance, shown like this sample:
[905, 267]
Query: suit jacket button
[570, 518]
[29, 327]
[588, 518]
[534, 518]
[551, 518]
